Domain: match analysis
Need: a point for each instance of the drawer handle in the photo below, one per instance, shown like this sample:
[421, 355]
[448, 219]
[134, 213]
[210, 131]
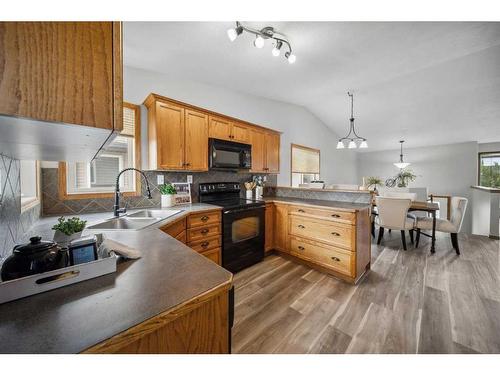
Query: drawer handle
[335, 215]
[336, 234]
[204, 218]
[300, 210]
[301, 226]
[302, 248]
[336, 259]
[204, 231]
[205, 244]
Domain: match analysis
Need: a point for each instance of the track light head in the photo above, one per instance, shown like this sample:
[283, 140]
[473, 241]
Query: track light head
[258, 42]
[290, 57]
[276, 50]
[234, 32]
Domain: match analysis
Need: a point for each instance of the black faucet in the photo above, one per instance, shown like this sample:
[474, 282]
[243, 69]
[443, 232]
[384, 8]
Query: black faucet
[116, 207]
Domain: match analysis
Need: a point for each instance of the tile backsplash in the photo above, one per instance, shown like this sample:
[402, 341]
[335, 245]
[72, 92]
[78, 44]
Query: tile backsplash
[14, 225]
[53, 205]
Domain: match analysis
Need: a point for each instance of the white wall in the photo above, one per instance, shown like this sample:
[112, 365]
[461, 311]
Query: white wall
[489, 147]
[297, 123]
[445, 169]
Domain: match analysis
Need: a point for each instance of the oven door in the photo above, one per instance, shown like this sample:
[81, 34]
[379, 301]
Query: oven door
[243, 238]
[229, 155]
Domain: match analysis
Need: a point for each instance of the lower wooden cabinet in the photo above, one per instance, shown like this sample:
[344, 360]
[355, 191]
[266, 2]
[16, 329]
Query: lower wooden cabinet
[269, 235]
[338, 242]
[200, 231]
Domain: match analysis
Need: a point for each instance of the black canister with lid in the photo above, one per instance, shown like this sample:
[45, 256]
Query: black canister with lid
[37, 256]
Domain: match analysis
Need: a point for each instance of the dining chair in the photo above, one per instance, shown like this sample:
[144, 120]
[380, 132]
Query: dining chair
[399, 194]
[392, 214]
[458, 206]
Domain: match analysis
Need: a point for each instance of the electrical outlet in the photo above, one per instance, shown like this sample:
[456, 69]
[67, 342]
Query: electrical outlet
[160, 179]
[190, 179]
[265, 178]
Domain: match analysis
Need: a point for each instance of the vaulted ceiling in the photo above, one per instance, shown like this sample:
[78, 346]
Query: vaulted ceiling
[429, 83]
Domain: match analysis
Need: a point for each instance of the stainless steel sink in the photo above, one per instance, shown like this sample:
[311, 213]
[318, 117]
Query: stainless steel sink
[162, 214]
[124, 223]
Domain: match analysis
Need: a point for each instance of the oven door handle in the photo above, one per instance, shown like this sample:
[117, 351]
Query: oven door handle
[242, 209]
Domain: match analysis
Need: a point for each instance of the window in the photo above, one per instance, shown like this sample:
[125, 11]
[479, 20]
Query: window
[98, 178]
[489, 169]
[305, 165]
[30, 183]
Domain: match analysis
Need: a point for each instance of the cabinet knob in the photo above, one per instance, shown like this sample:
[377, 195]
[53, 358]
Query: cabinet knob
[301, 226]
[302, 248]
[204, 231]
[205, 244]
[335, 234]
[300, 210]
[335, 215]
[188, 164]
[204, 218]
[336, 259]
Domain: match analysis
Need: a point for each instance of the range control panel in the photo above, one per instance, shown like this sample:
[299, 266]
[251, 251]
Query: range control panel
[219, 187]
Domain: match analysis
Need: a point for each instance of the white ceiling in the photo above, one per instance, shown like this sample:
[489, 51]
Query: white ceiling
[429, 83]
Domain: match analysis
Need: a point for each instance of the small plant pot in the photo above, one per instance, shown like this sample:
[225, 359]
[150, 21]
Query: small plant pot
[167, 200]
[63, 239]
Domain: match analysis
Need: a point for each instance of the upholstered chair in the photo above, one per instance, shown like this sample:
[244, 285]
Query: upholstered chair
[452, 226]
[392, 214]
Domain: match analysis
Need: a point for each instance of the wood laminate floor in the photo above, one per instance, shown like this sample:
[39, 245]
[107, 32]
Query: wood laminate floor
[410, 302]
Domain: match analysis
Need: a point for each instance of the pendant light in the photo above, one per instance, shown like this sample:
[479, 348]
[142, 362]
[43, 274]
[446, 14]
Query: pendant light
[353, 139]
[401, 164]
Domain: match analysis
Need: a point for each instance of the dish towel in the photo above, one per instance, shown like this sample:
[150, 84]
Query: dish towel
[107, 246]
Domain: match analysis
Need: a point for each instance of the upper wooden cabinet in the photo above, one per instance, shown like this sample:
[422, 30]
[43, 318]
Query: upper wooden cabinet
[179, 132]
[63, 72]
[228, 130]
[265, 151]
[178, 136]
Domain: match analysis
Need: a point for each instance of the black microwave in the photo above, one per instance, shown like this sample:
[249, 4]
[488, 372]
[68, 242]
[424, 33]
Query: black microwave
[227, 155]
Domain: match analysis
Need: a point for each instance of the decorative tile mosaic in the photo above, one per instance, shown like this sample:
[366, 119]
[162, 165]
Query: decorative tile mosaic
[53, 205]
[14, 225]
[339, 196]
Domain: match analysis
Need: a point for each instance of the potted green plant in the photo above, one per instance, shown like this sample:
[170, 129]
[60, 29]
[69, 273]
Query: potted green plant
[404, 177]
[167, 192]
[373, 182]
[67, 230]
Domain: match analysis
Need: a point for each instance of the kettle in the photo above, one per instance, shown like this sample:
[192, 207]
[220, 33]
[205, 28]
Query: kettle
[37, 256]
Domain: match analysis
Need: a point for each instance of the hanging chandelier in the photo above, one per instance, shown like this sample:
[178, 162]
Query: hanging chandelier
[401, 163]
[352, 138]
[267, 32]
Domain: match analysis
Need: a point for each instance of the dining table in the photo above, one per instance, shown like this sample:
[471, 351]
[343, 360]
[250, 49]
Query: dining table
[431, 208]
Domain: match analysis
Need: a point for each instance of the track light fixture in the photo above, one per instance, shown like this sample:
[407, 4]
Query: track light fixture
[267, 32]
[354, 138]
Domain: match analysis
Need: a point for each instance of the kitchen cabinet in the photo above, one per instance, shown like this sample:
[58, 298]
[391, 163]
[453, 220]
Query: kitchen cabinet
[178, 136]
[265, 151]
[223, 128]
[281, 227]
[269, 235]
[57, 74]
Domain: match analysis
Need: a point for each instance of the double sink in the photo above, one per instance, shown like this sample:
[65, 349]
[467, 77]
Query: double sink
[136, 221]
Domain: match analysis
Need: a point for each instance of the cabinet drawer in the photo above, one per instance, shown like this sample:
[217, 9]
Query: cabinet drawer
[175, 228]
[198, 233]
[326, 214]
[205, 244]
[181, 237]
[204, 218]
[322, 230]
[337, 259]
[213, 255]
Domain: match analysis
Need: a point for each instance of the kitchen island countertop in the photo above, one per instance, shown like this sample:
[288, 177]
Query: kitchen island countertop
[338, 205]
[74, 318]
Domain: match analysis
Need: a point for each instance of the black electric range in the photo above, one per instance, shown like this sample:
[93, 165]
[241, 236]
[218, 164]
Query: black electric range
[243, 225]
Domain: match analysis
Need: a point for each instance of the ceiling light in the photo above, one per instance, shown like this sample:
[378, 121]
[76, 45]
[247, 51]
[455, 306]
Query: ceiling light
[261, 35]
[352, 130]
[258, 42]
[340, 144]
[401, 164]
[276, 49]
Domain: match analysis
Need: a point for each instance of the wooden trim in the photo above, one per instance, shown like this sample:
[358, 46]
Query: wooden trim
[134, 333]
[292, 145]
[63, 189]
[151, 98]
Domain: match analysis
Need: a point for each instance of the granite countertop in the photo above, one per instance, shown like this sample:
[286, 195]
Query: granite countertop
[341, 206]
[74, 318]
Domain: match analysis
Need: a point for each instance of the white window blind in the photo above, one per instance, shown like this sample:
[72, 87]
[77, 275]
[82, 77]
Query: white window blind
[305, 160]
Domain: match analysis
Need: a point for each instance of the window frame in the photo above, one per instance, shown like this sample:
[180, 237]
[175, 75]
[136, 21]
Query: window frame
[479, 155]
[292, 145]
[36, 200]
[63, 188]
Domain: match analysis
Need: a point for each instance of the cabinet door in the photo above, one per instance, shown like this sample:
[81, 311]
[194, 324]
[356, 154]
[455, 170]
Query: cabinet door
[196, 142]
[269, 239]
[240, 133]
[219, 128]
[272, 153]
[68, 72]
[170, 136]
[258, 151]
[281, 227]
